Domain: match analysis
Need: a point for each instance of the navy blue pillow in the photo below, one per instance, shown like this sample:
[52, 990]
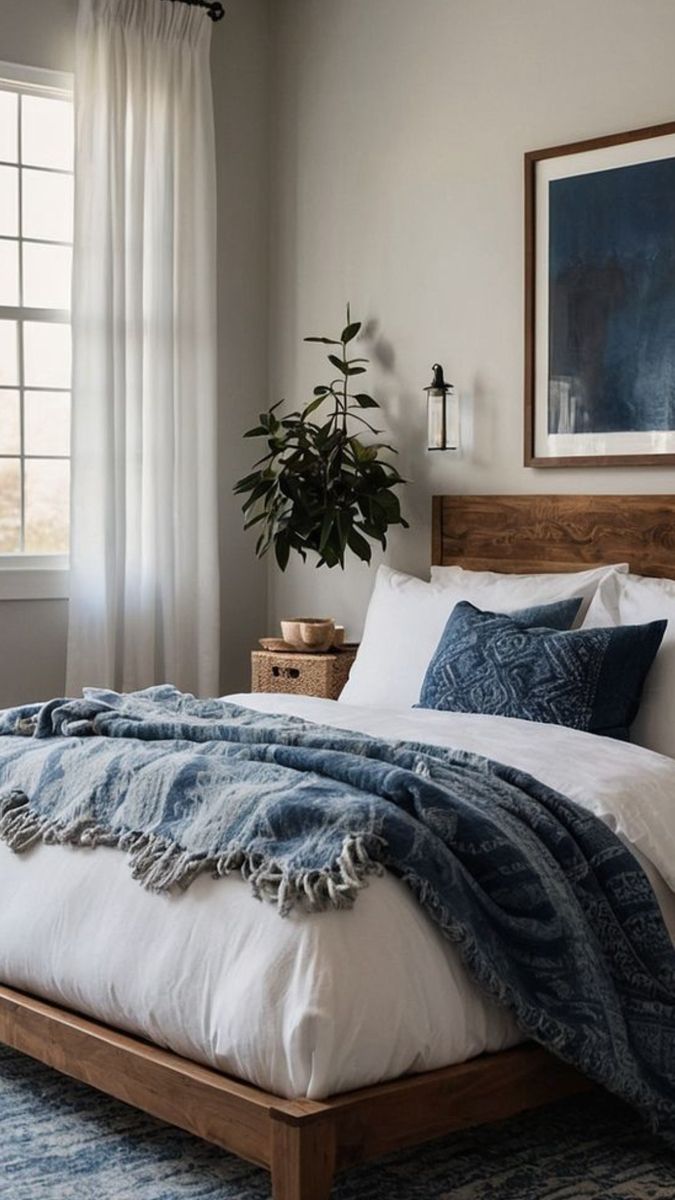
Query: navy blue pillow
[588, 679]
[559, 615]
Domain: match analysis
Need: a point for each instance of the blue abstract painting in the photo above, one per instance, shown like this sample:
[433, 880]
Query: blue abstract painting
[612, 300]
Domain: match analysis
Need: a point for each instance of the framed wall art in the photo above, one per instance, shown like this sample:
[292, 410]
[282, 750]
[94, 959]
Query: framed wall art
[600, 301]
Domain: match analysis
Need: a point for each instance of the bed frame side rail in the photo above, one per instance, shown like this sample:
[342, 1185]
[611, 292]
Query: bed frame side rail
[302, 1142]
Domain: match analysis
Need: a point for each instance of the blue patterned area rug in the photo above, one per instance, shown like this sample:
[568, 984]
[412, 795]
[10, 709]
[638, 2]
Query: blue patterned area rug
[59, 1140]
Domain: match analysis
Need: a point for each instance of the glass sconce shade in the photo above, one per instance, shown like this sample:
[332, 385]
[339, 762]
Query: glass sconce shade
[442, 413]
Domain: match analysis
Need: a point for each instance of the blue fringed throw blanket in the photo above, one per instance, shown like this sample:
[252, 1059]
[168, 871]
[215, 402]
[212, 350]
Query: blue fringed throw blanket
[552, 915]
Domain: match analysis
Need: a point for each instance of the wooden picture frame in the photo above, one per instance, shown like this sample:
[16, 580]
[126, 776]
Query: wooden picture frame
[593, 338]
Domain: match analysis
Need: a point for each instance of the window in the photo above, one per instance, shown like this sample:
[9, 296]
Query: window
[36, 231]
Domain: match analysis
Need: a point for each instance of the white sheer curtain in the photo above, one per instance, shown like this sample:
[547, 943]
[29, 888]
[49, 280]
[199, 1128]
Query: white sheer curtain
[144, 602]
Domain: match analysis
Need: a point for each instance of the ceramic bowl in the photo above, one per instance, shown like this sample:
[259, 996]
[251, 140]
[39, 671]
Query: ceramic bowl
[309, 633]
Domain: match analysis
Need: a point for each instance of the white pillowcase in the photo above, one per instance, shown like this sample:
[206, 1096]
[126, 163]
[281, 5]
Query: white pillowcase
[522, 591]
[407, 616]
[634, 600]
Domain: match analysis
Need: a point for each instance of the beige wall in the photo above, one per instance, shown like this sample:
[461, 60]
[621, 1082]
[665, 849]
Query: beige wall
[398, 134]
[240, 65]
[41, 33]
[38, 33]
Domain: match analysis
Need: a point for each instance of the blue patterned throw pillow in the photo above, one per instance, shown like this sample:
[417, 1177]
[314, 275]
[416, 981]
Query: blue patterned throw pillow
[587, 679]
[559, 615]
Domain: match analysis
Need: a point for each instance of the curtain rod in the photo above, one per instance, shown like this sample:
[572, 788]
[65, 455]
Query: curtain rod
[214, 8]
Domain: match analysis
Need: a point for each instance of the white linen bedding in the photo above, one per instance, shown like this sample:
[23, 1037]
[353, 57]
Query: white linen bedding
[309, 1005]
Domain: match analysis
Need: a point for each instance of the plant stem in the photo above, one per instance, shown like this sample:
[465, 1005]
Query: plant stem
[345, 395]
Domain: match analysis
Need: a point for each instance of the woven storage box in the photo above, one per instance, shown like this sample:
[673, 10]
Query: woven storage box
[322, 675]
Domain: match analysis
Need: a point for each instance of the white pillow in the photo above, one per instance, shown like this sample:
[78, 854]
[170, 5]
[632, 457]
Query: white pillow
[634, 600]
[407, 616]
[524, 590]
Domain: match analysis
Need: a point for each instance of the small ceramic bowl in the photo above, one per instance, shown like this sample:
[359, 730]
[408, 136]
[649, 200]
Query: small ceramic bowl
[309, 633]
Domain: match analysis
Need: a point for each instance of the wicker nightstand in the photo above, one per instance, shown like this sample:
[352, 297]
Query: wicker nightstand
[322, 675]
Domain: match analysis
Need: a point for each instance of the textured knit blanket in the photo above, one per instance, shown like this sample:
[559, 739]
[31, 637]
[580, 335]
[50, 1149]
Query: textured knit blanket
[552, 915]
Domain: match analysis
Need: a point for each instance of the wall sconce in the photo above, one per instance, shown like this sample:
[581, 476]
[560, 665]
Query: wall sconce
[442, 413]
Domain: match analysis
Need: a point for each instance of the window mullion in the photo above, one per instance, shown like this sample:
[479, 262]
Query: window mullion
[48, 316]
[37, 167]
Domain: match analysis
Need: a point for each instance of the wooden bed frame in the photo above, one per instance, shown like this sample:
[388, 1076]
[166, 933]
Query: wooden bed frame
[303, 1142]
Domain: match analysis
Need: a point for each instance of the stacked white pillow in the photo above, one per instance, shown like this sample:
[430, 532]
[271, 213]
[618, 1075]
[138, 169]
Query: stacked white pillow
[407, 616]
[623, 599]
[523, 591]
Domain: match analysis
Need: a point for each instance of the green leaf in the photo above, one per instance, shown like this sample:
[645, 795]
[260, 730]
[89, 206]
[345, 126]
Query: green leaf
[321, 391]
[389, 505]
[365, 401]
[354, 370]
[258, 492]
[282, 551]
[326, 527]
[359, 545]
[342, 530]
[259, 431]
[249, 481]
[325, 341]
[350, 331]
[363, 454]
[254, 520]
[313, 404]
[337, 362]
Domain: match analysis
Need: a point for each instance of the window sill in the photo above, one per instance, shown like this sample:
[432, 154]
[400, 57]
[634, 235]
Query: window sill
[41, 577]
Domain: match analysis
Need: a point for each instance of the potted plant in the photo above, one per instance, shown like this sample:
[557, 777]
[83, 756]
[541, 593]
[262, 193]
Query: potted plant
[320, 486]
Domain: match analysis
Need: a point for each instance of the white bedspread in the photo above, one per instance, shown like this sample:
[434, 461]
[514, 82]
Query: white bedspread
[309, 1005]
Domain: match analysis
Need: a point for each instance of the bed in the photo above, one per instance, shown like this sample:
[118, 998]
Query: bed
[346, 1114]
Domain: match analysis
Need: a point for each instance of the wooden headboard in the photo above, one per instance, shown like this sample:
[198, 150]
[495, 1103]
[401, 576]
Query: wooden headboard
[526, 534]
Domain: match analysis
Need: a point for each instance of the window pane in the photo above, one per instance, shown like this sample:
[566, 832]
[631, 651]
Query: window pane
[10, 423]
[8, 127]
[47, 506]
[46, 275]
[10, 506]
[46, 350]
[9, 356]
[46, 417]
[47, 132]
[47, 206]
[9, 201]
[9, 273]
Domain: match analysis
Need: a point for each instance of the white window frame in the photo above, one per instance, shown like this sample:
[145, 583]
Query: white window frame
[35, 576]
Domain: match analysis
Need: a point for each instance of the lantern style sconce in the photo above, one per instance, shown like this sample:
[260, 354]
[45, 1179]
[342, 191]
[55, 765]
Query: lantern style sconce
[442, 413]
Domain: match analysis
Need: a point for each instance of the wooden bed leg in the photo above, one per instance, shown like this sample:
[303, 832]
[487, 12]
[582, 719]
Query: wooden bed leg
[303, 1159]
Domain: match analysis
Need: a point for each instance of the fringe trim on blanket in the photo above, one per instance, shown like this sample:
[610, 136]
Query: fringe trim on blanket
[160, 865]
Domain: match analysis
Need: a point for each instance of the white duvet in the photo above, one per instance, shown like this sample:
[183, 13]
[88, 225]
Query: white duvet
[307, 1005]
